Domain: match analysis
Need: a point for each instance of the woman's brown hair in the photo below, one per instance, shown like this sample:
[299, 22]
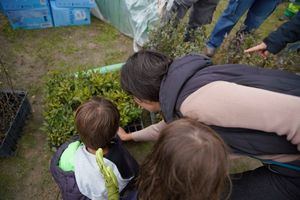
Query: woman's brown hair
[97, 122]
[143, 73]
[189, 161]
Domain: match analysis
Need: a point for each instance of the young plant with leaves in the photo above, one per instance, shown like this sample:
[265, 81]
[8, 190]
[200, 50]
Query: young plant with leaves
[65, 92]
[232, 52]
[168, 39]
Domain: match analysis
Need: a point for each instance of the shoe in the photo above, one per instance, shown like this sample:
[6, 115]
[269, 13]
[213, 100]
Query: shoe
[210, 51]
[189, 34]
[243, 31]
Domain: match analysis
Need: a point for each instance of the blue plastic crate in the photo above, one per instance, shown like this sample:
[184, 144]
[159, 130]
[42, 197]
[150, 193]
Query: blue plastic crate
[1, 8]
[30, 18]
[23, 4]
[76, 3]
[70, 16]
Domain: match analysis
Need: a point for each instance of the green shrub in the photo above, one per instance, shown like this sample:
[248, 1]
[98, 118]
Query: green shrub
[65, 92]
[232, 52]
[169, 40]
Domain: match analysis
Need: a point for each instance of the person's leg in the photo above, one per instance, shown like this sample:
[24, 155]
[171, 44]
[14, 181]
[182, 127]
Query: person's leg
[259, 12]
[180, 8]
[262, 183]
[178, 11]
[187, 3]
[202, 12]
[230, 16]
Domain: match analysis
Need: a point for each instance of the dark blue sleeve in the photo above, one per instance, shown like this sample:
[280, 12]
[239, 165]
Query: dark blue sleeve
[287, 33]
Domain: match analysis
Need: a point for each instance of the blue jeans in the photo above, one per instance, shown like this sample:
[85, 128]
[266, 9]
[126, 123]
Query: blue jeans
[258, 11]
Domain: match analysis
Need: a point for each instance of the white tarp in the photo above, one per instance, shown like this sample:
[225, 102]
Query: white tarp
[134, 18]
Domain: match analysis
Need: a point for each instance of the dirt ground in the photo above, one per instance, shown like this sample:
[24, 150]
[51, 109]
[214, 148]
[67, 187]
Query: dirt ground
[29, 55]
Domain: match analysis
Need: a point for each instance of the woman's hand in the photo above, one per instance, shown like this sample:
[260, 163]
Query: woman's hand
[123, 135]
[261, 49]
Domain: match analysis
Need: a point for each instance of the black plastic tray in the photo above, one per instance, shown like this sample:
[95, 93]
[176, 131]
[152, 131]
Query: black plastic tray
[9, 143]
[146, 119]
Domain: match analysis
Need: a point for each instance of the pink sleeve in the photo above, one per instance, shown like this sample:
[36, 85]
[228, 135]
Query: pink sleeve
[151, 133]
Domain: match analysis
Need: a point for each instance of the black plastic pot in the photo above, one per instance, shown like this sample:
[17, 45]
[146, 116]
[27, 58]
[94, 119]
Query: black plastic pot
[134, 126]
[9, 143]
[145, 120]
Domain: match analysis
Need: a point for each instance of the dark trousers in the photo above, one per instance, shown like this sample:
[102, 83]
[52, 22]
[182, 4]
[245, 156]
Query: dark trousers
[265, 184]
[201, 11]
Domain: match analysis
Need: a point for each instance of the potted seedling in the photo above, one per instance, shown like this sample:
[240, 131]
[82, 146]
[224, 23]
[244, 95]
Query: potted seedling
[14, 109]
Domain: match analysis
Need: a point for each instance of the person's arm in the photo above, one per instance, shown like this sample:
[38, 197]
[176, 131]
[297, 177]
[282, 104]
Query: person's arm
[228, 104]
[287, 33]
[261, 49]
[151, 133]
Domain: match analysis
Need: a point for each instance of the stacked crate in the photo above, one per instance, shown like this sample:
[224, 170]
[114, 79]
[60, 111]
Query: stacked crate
[1, 9]
[37, 14]
[71, 12]
[28, 14]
